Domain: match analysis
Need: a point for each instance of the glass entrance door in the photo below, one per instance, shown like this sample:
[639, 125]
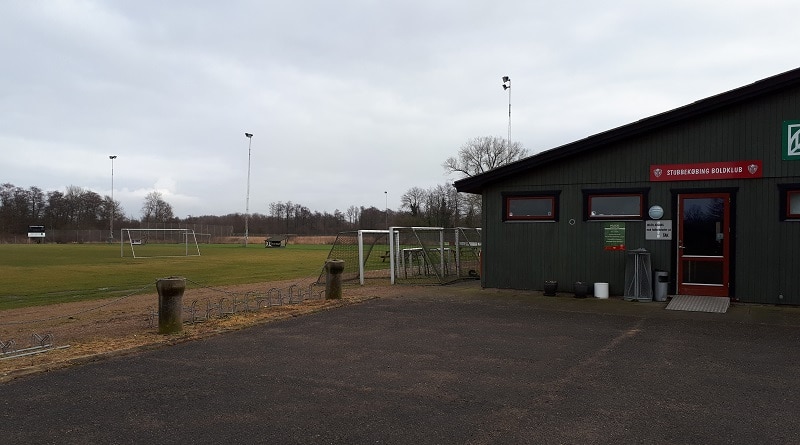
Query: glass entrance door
[704, 244]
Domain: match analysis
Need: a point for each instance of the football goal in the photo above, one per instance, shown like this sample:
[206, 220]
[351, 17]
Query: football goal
[153, 243]
[413, 255]
[365, 254]
[434, 255]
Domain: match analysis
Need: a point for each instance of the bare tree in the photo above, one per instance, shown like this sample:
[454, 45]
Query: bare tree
[476, 156]
[38, 203]
[440, 206]
[353, 214]
[276, 209]
[371, 218]
[57, 212]
[83, 207]
[482, 154]
[288, 213]
[155, 208]
[470, 209]
[19, 207]
[413, 199]
[112, 207]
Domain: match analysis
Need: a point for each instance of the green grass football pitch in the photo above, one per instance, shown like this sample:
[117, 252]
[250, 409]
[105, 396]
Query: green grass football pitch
[42, 274]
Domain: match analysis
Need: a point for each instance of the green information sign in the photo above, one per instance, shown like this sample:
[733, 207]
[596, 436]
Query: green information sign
[614, 235]
[790, 146]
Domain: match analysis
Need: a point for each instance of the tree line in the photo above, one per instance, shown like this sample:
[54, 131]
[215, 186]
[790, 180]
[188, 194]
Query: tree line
[442, 205]
[81, 209]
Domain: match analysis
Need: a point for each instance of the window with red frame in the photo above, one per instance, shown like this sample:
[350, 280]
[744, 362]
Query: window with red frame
[530, 208]
[789, 202]
[615, 206]
[793, 204]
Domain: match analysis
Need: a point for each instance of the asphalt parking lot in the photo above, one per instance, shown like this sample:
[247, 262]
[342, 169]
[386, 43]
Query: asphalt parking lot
[446, 366]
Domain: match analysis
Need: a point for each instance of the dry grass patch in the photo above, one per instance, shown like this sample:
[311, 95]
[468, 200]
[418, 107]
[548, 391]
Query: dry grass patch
[97, 329]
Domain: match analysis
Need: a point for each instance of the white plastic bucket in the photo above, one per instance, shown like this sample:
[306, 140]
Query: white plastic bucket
[601, 290]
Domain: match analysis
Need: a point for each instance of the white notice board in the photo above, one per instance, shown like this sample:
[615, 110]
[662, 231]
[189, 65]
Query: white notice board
[658, 230]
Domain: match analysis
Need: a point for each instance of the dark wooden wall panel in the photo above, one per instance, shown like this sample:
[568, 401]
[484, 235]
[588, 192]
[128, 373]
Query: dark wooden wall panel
[524, 254]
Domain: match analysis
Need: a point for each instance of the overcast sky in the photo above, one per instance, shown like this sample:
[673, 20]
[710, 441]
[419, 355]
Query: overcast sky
[346, 99]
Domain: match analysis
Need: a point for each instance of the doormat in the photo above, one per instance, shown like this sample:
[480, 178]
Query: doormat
[696, 303]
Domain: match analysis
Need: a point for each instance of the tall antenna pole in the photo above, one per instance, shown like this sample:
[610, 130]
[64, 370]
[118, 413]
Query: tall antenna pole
[247, 202]
[507, 86]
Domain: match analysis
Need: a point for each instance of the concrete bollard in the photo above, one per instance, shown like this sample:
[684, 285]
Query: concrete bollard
[333, 279]
[170, 304]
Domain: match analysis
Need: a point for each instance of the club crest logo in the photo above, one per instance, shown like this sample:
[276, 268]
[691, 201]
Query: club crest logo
[658, 172]
[791, 140]
[752, 168]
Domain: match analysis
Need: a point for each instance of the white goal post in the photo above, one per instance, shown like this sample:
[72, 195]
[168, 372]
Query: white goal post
[158, 243]
[440, 254]
[418, 255]
[361, 259]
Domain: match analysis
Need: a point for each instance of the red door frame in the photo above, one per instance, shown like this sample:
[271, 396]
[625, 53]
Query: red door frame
[719, 290]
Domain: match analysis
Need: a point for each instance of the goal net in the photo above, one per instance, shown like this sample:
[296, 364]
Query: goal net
[435, 255]
[365, 254]
[413, 255]
[152, 243]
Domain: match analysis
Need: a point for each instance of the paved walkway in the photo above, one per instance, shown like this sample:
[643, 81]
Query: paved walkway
[452, 365]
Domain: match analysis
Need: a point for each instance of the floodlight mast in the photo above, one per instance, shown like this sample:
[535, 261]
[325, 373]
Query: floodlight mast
[113, 205]
[249, 137]
[507, 86]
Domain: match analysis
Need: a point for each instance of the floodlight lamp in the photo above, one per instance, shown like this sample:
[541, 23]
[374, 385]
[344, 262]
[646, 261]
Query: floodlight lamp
[505, 87]
[112, 157]
[506, 79]
[249, 135]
